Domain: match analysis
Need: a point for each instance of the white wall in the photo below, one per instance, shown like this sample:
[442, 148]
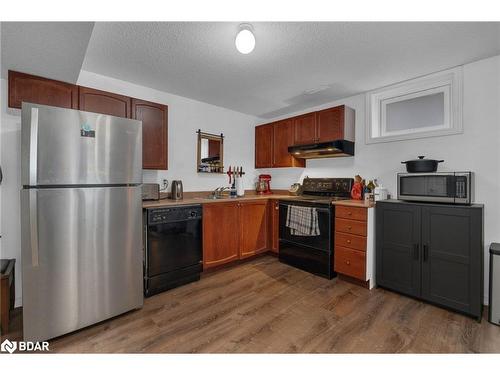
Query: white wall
[184, 118]
[477, 149]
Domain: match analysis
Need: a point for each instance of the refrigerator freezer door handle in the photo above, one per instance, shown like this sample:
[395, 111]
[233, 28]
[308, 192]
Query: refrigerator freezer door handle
[34, 227]
[33, 147]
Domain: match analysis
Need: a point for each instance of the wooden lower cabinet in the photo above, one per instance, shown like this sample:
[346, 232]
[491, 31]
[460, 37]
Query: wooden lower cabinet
[351, 213]
[253, 228]
[273, 225]
[220, 233]
[351, 242]
[234, 230]
[350, 262]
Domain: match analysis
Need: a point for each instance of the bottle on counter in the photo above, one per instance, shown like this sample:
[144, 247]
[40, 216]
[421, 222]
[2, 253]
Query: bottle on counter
[369, 192]
[371, 186]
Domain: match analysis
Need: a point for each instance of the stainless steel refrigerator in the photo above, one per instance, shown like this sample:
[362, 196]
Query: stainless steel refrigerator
[81, 219]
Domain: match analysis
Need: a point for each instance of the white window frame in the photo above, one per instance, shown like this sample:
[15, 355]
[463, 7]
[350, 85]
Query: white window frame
[448, 82]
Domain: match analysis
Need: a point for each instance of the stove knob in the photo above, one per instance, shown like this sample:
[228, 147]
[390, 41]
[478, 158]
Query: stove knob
[193, 214]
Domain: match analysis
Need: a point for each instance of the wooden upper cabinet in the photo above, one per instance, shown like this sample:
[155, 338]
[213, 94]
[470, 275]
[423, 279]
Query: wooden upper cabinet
[29, 88]
[330, 124]
[221, 230]
[271, 145]
[264, 146]
[305, 129]
[32, 89]
[98, 101]
[154, 119]
[253, 227]
[283, 137]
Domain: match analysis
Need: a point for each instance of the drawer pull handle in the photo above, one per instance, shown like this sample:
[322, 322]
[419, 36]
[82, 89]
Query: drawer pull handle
[349, 213]
[349, 227]
[348, 241]
[347, 262]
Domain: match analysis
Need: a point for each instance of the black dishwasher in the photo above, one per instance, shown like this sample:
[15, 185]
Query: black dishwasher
[173, 247]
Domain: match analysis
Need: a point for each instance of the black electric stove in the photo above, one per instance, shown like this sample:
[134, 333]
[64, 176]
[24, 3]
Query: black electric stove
[314, 253]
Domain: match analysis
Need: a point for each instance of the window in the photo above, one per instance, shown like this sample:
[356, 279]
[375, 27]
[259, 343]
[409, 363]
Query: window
[423, 107]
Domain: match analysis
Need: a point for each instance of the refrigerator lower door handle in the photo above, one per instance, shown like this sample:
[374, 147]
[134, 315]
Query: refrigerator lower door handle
[33, 199]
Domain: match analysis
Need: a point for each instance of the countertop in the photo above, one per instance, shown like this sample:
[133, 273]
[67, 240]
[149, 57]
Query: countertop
[249, 197]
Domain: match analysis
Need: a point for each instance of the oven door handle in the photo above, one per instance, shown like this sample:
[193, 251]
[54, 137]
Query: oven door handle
[320, 209]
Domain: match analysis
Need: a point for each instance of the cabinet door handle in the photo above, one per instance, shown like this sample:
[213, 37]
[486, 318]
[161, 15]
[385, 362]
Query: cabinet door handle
[426, 252]
[347, 262]
[416, 251]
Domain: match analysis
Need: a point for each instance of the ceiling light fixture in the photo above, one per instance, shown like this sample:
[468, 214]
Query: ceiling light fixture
[245, 40]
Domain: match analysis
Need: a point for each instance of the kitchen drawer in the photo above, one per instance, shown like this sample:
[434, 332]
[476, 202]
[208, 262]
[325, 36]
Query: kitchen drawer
[350, 226]
[350, 262]
[354, 213]
[351, 241]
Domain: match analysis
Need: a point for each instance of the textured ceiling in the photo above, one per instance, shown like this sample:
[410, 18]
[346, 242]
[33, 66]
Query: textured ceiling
[294, 65]
[50, 49]
[335, 60]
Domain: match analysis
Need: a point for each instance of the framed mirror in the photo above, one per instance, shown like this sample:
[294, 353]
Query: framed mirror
[210, 153]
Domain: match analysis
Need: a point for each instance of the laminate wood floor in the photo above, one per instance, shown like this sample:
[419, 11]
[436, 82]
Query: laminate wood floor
[264, 306]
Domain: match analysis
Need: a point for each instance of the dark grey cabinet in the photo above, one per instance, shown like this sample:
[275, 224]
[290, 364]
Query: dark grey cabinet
[398, 262]
[433, 252]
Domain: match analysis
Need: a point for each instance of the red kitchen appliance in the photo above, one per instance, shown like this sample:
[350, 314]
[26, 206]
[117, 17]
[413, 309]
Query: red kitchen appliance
[264, 184]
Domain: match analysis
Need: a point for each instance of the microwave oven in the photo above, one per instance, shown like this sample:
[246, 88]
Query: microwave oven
[440, 187]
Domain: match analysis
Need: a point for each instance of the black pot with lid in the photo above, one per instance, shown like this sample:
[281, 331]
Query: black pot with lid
[421, 165]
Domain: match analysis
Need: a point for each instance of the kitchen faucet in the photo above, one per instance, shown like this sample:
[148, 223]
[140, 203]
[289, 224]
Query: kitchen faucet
[217, 193]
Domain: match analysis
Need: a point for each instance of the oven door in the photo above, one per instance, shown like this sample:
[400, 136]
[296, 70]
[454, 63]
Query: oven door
[425, 187]
[310, 253]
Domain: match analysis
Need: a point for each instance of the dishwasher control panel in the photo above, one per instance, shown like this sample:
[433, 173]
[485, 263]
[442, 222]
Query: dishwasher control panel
[172, 214]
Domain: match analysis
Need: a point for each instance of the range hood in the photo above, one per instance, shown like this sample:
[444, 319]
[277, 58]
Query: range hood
[332, 149]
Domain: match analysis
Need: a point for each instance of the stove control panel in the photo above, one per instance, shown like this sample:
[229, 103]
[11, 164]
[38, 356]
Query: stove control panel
[327, 186]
